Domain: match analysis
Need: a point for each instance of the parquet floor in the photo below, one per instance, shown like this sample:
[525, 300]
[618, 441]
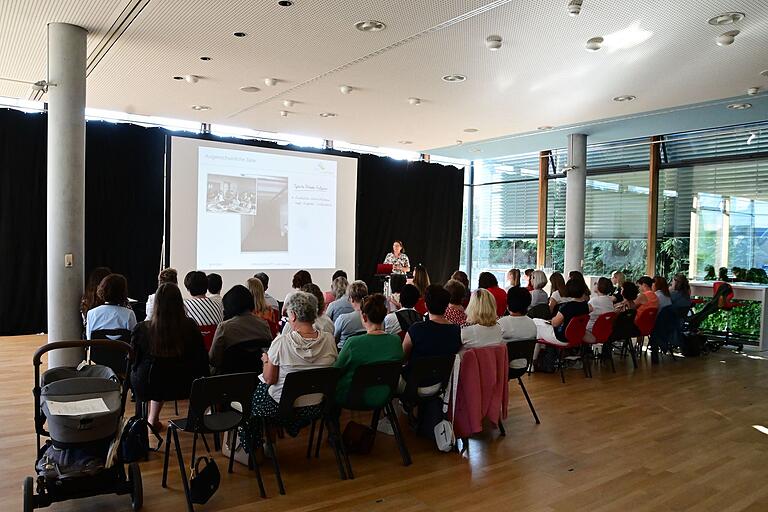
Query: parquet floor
[675, 437]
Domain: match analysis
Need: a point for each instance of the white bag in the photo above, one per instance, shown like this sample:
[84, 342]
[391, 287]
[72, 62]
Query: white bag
[444, 436]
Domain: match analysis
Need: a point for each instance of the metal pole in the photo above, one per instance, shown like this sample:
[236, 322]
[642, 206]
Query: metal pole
[66, 186]
[575, 210]
[470, 218]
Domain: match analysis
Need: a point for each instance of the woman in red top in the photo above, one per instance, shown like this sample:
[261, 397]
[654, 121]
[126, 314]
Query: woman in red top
[455, 312]
[490, 283]
[421, 281]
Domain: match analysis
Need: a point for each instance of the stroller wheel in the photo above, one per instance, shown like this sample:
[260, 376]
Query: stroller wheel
[29, 494]
[137, 491]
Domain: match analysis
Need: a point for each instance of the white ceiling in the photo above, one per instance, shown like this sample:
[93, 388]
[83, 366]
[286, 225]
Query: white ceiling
[541, 76]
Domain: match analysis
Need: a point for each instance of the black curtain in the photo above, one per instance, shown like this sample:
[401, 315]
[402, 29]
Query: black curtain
[417, 202]
[22, 222]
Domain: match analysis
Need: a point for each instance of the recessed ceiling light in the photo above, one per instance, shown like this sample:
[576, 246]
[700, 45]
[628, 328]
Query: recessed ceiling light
[285, 3]
[414, 101]
[726, 38]
[345, 89]
[239, 34]
[594, 44]
[764, 73]
[178, 78]
[200, 107]
[270, 81]
[454, 78]
[753, 91]
[471, 130]
[726, 18]
[206, 59]
[625, 97]
[192, 79]
[493, 43]
[250, 88]
[370, 26]
[288, 103]
[283, 113]
[739, 106]
[574, 7]
[327, 114]
[404, 142]
[545, 128]
[459, 142]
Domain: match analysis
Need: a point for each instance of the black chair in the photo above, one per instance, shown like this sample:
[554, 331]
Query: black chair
[298, 384]
[662, 337]
[426, 372]
[540, 311]
[244, 357]
[518, 350]
[111, 358]
[623, 330]
[212, 392]
[378, 375]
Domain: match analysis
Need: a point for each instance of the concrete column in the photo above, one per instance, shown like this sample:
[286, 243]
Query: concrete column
[66, 186]
[576, 188]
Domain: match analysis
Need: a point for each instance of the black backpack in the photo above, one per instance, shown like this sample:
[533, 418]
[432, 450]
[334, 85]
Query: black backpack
[407, 318]
[134, 441]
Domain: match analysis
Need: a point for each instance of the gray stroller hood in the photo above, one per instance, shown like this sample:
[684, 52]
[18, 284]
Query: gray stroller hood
[95, 389]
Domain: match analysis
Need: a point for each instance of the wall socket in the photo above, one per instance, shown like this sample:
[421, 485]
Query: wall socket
[69, 260]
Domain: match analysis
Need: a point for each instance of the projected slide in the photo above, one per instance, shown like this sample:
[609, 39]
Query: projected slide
[261, 210]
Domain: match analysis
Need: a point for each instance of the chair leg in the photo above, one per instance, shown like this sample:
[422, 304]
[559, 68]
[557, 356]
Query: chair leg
[311, 438]
[585, 361]
[253, 463]
[182, 470]
[232, 448]
[334, 439]
[501, 427]
[334, 423]
[561, 363]
[375, 418]
[176, 407]
[398, 434]
[632, 352]
[319, 441]
[273, 451]
[167, 456]
[528, 399]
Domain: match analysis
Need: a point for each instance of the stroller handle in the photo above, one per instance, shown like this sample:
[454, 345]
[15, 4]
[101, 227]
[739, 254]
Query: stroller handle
[56, 345]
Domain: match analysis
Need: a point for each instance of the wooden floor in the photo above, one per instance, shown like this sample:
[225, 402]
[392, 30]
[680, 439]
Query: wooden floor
[678, 436]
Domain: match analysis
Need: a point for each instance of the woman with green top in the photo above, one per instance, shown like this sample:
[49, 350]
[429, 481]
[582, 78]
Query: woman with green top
[375, 346]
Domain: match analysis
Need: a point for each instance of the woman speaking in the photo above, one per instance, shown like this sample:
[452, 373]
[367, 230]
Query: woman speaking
[398, 259]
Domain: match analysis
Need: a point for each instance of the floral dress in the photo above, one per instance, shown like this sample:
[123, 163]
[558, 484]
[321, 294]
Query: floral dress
[401, 261]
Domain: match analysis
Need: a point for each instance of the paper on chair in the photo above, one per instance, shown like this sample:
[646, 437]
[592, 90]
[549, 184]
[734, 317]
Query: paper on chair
[89, 406]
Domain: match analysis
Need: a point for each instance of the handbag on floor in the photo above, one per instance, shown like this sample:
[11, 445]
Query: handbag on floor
[358, 438]
[444, 435]
[204, 482]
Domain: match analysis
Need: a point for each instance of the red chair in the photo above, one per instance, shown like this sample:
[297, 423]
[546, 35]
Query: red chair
[602, 331]
[645, 321]
[208, 331]
[574, 333]
[726, 302]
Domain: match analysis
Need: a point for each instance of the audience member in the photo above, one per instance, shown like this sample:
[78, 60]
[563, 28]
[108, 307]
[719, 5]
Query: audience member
[528, 280]
[322, 322]
[240, 324]
[435, 336]
[617, 279]
[171, 341]
[421, 281]
[601, 302]
[90, 299]
[374, 346]
[455, 312]
[270, 300]
[114, 312]
[681, 293]
[661, 289]
[396, 283]
[331, 295]
[200, 308]
[579, 277]
[488, 281]
[513, 278]
[167, 275]
[260, 307]
[215, 285]
[349, 324]
[303, 348]
[402, 319]
[341, 304]
[557, 295]
[300, 278]
[629, 293]
[538, 295]
[568, 310]
[647, 298]
[482, 329]
[517, 326]
[462, 277]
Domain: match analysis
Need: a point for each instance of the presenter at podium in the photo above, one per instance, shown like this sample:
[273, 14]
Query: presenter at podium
[398, 259]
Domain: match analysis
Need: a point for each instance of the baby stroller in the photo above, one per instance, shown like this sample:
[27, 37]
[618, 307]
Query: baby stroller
[80, 410]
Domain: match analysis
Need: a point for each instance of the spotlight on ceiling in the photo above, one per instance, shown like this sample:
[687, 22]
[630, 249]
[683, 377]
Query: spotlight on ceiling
[752, 91]
[206, 59]
[285, 3]
[726, 18]
[178, 78]
[200, 108]
[345, 89]
[370, 26]
[594, 44]
[493, 43]
[40, 85]
[239, 34]
[270, 82]
[283, 113]
[454, 78]
[327, 114]
[288, 103]
[574, 7]
[414, 101]
[764, 73]
[191, 79]
[250, 88]
[726, 38]
[625, 97]
[739, 106]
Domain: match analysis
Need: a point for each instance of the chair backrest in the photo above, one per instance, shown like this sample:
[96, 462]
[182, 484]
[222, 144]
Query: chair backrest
[603, 327]
[427, 371]
[517, 351]
[307, 382]
[645, 320]
[208, 331]
[666, 321]
[369, 376]
[244, 357]
[112, 358]
[727, 294]
[576, 330]
[624, 325]
[221, 390]
[540, 311]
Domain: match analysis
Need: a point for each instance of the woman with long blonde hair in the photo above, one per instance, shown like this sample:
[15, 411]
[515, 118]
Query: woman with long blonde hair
[482, 329]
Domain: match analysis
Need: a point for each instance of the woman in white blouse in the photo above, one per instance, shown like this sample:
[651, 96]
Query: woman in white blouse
[397, 258]
[482, 329]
